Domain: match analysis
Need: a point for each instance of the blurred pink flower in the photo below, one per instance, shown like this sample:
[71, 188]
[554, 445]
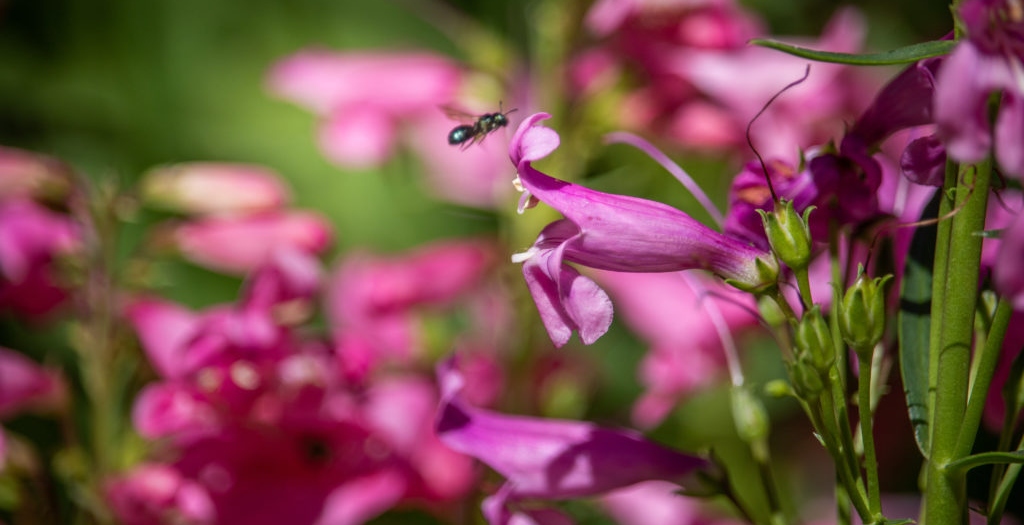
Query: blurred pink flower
[989, 60]
[741, 81]
[240, 244]
[31, 238]
[363, 96]
[681, 327]
[657, 503]
[152, 494]
[374, 303]
[206, 188]
[1008, 268]
[25, 384]
[24, 174]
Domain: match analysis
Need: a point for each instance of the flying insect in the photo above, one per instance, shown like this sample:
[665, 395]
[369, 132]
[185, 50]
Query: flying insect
[468, 134]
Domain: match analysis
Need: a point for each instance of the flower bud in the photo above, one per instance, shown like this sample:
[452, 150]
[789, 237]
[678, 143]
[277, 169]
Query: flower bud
[206, 188]
[788, 234]
[749, 416]
[813, 340]
[862, 313]
[807, 379]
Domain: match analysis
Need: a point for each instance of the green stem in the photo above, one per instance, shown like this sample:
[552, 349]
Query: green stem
[842, 455]
[945, 491]
[803, 282]
[1002, 494]
[942, 235]
[987, 362]
[867, 433]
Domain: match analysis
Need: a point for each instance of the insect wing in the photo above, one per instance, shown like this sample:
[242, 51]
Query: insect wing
[460, 115]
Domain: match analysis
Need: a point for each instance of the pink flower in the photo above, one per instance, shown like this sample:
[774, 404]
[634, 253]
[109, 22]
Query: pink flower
[25, 384]
[24, 174]
[990, 60]
[548, 458]
[681, 327]
[1007, 271]
[240, 244]
[31, 238]
[205, 188]
[612, 232]
[378, 301]
[741, 81]
[364, 96]
[152, 493]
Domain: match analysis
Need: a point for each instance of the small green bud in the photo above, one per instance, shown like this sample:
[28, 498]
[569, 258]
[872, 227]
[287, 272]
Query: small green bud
[749, 416]
[862, 313]
[778, 388]
[813, 340]
[770, 311]
[788, 234]
[807, 379]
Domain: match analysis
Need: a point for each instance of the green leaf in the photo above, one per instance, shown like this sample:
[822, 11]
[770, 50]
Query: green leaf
[901, 55]
[915, 324]
[986, 458]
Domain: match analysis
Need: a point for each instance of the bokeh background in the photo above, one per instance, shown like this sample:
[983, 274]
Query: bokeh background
[116, 87]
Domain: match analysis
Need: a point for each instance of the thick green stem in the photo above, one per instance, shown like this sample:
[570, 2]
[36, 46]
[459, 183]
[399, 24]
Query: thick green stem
[945, 492]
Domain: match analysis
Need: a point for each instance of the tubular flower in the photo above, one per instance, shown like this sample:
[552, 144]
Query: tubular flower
[617, 233]
[989, 60]
[548, 458]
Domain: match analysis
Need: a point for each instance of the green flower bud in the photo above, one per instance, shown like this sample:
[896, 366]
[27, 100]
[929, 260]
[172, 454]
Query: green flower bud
[862, 314]
[813, 340]
[778, 388]
[788, 234]
[807, 379]
[749, 416]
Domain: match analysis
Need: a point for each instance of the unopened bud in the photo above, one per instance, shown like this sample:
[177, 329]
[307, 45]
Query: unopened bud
[862, 313]
[749, 416]
[788, 234]
[813, 340]
[807, 379]
[214, 188]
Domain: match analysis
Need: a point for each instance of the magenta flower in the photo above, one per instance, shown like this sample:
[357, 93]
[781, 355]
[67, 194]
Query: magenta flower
[375, 304]
[364, 96]
[25, 384]
[152, 493]
[617, 233]
[240, 244]
[206, 188]
[682, 330]
[990, 59]
[31, 238]
[548, 458]
[24, 174]
[1007, 271]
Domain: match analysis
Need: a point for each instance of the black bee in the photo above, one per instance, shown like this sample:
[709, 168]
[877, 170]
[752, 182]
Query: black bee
[469, 134]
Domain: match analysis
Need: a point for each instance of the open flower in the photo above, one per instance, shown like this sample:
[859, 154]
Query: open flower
[617, 233]
[989, 60]
[549, 458]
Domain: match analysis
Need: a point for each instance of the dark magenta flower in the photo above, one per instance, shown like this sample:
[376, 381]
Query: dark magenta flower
[989, 60]
[612, 232]
[551, 459]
